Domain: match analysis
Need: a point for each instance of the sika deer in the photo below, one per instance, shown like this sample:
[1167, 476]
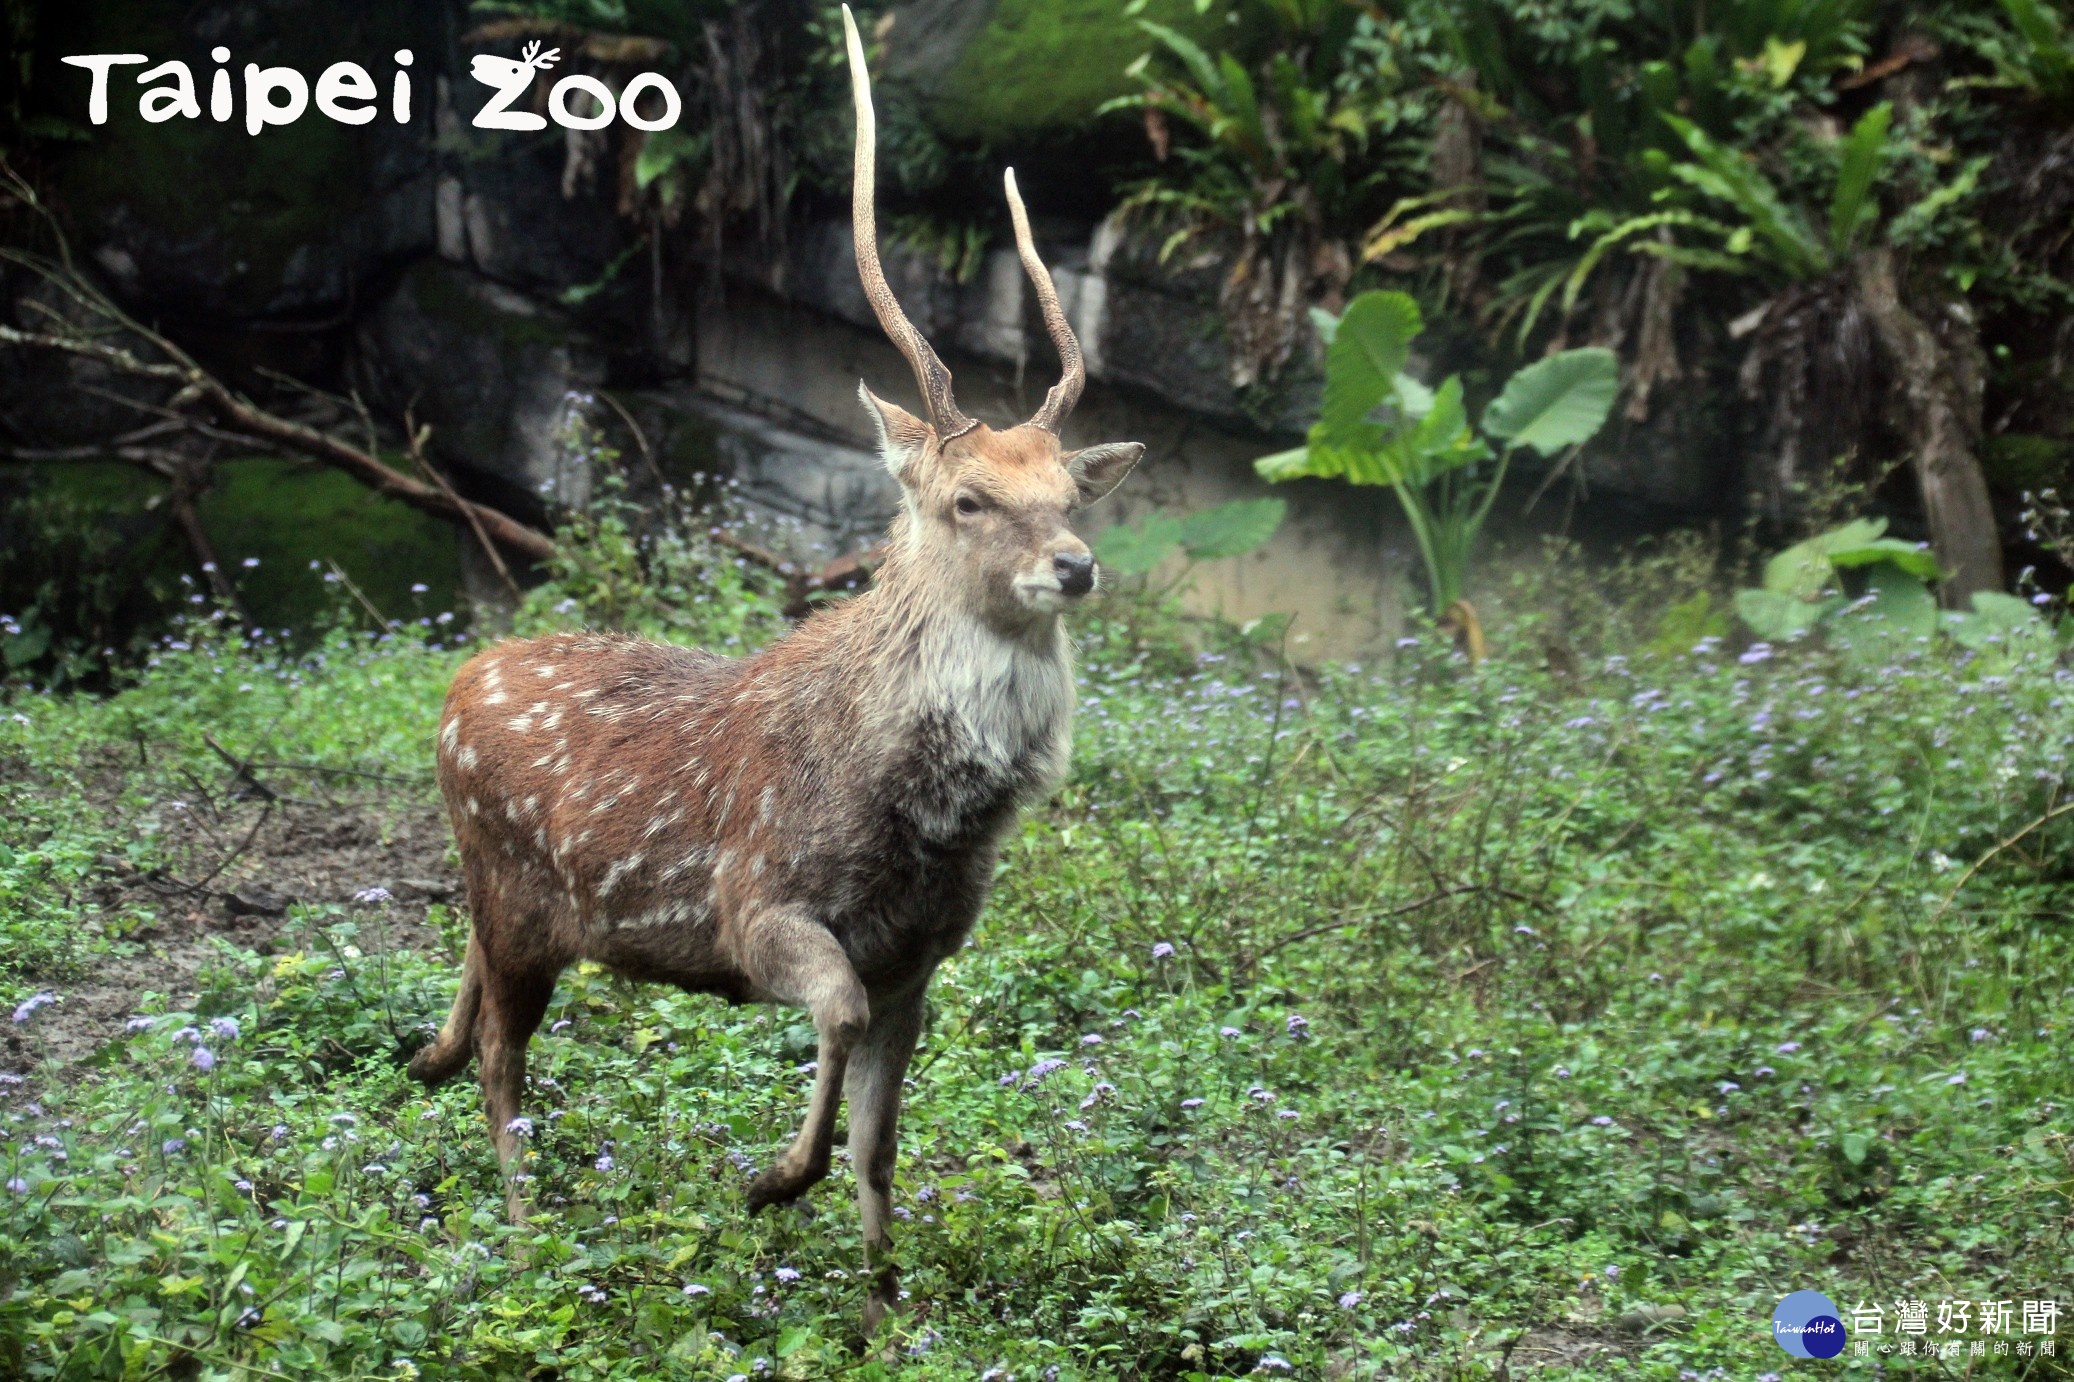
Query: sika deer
[816, 825]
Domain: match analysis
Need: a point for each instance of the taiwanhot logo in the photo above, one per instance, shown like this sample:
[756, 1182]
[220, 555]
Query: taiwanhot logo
[1807, 1324]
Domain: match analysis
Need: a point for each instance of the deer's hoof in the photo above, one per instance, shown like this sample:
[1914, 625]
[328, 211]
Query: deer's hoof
[882, 1300]
[778, 1185]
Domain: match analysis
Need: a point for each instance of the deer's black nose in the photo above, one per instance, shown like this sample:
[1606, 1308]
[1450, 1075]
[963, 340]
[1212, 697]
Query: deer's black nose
[1076, 572]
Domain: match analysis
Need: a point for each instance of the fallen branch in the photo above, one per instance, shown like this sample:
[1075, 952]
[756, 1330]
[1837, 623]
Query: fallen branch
[203, 403]
[844, 573]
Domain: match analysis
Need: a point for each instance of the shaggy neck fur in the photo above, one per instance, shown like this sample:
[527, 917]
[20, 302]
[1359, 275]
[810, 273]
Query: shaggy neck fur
[919, 657]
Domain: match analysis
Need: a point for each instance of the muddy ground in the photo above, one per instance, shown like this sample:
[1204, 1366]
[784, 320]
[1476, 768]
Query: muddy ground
[238, 856]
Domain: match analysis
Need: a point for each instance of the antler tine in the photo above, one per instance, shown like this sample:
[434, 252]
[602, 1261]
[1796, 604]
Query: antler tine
[930, 374]
[1058, 404]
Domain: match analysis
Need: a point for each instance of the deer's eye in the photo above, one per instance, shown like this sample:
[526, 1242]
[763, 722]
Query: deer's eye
[967, 505]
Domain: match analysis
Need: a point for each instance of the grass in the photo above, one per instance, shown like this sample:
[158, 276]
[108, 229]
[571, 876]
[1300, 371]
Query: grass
[1392, 1020]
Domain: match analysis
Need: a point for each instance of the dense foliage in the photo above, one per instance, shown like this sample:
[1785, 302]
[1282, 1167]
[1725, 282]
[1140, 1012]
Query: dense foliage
[1380, 1020]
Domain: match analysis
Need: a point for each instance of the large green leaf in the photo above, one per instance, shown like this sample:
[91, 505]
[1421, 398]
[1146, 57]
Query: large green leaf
[1369, 347]
[1853, 207]
[1997, 618]
[1556, 402]
[1134, 551]
[1912, 557]
[1441, 440]
[2050, 51]
[1414, 400]
[1804, 569]
[1896, 611]
[1296, 463]
[1231, 530]
[1777, 616]
[1900, 599]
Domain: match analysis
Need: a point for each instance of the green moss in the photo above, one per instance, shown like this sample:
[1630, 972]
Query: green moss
[443, 293]
[288, 515]
[1048, 64]
[100, 531]
[2017, 461]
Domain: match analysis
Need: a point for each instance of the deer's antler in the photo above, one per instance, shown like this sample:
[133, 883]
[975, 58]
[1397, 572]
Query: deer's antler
[1058, 403]
[930, 374]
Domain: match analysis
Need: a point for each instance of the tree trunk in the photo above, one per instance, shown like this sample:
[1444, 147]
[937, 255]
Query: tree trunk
[1938, 367]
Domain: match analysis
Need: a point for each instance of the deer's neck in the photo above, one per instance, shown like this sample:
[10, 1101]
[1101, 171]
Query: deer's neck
[940, 680]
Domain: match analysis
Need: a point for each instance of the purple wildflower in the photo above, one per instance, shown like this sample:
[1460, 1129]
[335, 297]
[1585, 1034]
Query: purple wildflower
[29, 1006]
[1350, 1300]
[1162, 949]
[224, 1027]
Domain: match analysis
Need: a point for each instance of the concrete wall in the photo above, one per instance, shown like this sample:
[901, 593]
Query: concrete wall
[1340, 563]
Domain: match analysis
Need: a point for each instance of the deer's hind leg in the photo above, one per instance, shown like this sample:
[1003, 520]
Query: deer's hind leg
[512, 1006]
[442, 1058]
[517, 956]
[796, 960]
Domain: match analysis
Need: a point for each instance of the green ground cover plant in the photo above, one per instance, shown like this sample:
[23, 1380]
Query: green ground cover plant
[1386, 1020]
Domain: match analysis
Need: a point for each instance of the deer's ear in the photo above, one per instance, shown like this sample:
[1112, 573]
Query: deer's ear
[1098, 469]
[903, 437]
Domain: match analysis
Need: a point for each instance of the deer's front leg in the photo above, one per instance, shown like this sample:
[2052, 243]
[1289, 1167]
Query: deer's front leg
[876, 1070]
[794, 959]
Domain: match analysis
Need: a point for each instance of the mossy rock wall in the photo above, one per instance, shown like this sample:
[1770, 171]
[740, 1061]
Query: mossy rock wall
[496, 376]
[200, 217]
[1002, 70]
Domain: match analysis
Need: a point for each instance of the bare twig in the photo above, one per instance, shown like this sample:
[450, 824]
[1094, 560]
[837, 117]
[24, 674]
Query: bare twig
[417, 438]
[640, 438]
[1982, 862]
[381, 621]
[241, 769]
[181, 502]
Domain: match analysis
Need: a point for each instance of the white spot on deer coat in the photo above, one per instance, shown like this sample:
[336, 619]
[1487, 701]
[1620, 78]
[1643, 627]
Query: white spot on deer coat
[620, 869]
